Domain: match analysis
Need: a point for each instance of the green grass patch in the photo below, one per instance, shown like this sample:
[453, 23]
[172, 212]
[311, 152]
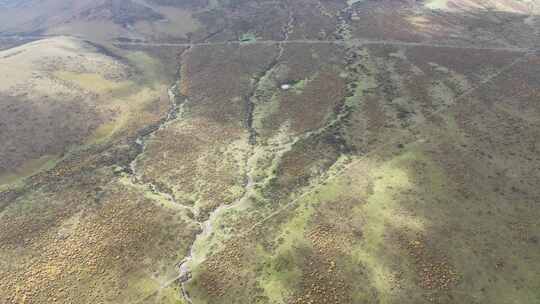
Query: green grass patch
[248, 37]
[92, 82]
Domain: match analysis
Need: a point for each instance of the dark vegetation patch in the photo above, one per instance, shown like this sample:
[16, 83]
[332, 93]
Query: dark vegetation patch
[328, 272]
[316, 21]
[487, 26]
[321, 280]
[516, 89]
[122, 12]
[32, 129]
[217, 80]
[301, 61]
[229, 276]
[310, 109]
[433, 270]
[473, 64]
[94, 251]
[372, 86]
[498, 123]
[384, 20]
[308, 159]
[466, 25]
[232, 19]
[317, 90]
[267, 20]
[400, 87]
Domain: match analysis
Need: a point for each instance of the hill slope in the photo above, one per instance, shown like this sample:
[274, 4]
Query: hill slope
[270, 152]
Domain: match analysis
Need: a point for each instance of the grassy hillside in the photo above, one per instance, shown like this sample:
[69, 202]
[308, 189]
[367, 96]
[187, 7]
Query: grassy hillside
[269, 152]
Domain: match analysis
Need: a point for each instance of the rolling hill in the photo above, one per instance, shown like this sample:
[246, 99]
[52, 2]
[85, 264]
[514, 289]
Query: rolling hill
[270, 151]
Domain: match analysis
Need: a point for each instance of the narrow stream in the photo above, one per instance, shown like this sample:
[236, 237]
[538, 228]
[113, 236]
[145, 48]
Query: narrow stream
[207, 228]
[183, 268]
[174, 112]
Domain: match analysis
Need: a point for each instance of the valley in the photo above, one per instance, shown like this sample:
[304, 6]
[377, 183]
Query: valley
[273, 151]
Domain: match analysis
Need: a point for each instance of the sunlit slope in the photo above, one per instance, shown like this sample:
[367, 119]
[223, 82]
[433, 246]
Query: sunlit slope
[52, 99]
[100, 20]
[79, 230]
[480, 23]
[330, 152]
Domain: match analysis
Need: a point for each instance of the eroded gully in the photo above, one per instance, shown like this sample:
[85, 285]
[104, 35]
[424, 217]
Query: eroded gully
[184, 267]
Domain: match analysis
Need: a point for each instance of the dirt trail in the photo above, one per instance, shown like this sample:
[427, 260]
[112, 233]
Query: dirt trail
[356, 42]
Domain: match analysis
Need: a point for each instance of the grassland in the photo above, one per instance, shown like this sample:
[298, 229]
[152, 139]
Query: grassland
[72, 229]
[392, 217]
[403, 170]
